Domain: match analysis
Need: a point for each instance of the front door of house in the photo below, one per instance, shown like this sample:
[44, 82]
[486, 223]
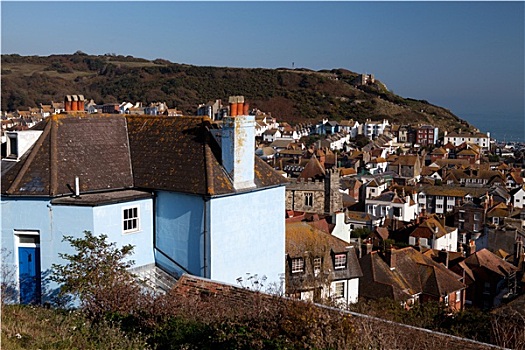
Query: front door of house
[29, 274]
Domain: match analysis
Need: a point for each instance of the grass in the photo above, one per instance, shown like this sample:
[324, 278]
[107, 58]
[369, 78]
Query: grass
[30, 327]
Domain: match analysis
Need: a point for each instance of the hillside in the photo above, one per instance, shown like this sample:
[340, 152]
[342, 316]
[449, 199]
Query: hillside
[290, 95]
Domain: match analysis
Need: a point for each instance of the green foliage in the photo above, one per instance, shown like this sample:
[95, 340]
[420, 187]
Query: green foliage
[360, 232]
[97, 275]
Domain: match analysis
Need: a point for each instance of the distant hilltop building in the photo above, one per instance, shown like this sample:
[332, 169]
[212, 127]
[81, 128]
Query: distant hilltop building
[365, 79]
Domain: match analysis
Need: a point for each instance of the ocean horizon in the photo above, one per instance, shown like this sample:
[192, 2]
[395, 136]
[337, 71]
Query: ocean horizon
[504, 127]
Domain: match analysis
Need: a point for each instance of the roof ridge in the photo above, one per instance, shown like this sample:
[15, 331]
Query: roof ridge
[129, 151]
[29, 160]
[53, 158]
[210, 189]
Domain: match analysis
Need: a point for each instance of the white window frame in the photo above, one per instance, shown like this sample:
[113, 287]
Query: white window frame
[297, 265]
[130, 219]
[340, 261]
[317, 266]
[339, 289]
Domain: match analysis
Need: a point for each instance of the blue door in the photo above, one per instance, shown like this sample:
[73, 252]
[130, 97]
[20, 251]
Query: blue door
[29, 276]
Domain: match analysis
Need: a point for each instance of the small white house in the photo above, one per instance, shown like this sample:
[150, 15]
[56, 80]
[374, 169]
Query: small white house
[320, 266]
[433, 233]
[518, 198]
[390, 205]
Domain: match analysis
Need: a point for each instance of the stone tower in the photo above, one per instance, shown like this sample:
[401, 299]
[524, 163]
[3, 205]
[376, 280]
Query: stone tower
[333, 198]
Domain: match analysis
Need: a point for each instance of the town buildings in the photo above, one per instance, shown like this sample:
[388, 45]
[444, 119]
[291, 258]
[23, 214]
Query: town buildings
[193, 198]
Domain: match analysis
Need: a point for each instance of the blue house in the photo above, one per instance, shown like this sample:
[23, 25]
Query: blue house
[189, 202]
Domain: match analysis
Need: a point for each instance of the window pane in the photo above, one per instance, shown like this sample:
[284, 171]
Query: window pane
[340, 261]
[297, 265]
[33, 239]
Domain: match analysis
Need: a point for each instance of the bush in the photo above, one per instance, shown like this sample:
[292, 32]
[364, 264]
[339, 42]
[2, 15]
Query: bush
[97, 275]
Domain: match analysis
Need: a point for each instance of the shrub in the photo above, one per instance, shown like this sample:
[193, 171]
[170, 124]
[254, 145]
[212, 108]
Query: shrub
[97, 275]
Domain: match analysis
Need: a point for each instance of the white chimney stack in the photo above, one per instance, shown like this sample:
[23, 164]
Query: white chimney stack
[238, 146]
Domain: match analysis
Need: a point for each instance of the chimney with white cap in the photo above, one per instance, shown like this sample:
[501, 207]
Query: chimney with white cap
[238, 144]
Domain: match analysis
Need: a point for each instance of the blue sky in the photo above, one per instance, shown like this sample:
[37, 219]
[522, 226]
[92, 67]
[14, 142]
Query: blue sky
[465, 56]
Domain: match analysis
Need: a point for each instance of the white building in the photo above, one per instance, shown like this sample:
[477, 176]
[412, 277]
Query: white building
[390, 205]
[433, 234]
[372, 129]
[478, 138]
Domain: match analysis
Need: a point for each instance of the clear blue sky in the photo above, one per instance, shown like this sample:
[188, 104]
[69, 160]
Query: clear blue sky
[466, 56]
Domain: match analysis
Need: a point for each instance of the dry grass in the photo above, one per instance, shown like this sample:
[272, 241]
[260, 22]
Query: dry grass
[27, 327]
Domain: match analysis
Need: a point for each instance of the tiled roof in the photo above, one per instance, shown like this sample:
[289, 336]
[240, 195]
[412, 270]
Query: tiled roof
[109, 152]
[488, 260]
[429, 228]
[412, 273]
[439, 151]
[302, 237]
[466, 135]
[379, 281]
[313, 169]
[453, 191]
[468, 152]
[405, 160]
[347, 171]
[95, 149]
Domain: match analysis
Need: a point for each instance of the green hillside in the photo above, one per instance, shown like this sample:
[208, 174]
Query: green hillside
[291, 95]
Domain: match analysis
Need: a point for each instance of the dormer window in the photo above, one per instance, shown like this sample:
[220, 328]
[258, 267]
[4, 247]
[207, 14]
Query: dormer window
[340, 261]
[297, 265]
[12, 150]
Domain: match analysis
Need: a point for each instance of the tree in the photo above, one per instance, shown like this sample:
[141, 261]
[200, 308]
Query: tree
[97, 275]
[360, 232]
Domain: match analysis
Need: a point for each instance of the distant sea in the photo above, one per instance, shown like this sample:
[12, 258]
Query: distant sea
[502, 126]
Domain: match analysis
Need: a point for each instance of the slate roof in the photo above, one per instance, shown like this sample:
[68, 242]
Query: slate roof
[112, 152]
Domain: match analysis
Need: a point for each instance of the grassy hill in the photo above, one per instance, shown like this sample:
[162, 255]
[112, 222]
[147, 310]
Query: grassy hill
[291, 95]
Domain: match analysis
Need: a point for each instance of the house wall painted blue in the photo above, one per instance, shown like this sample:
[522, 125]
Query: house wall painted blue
[246, 238]
[52, 222]
[179, 231]
[235, 242]
[206, 205]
